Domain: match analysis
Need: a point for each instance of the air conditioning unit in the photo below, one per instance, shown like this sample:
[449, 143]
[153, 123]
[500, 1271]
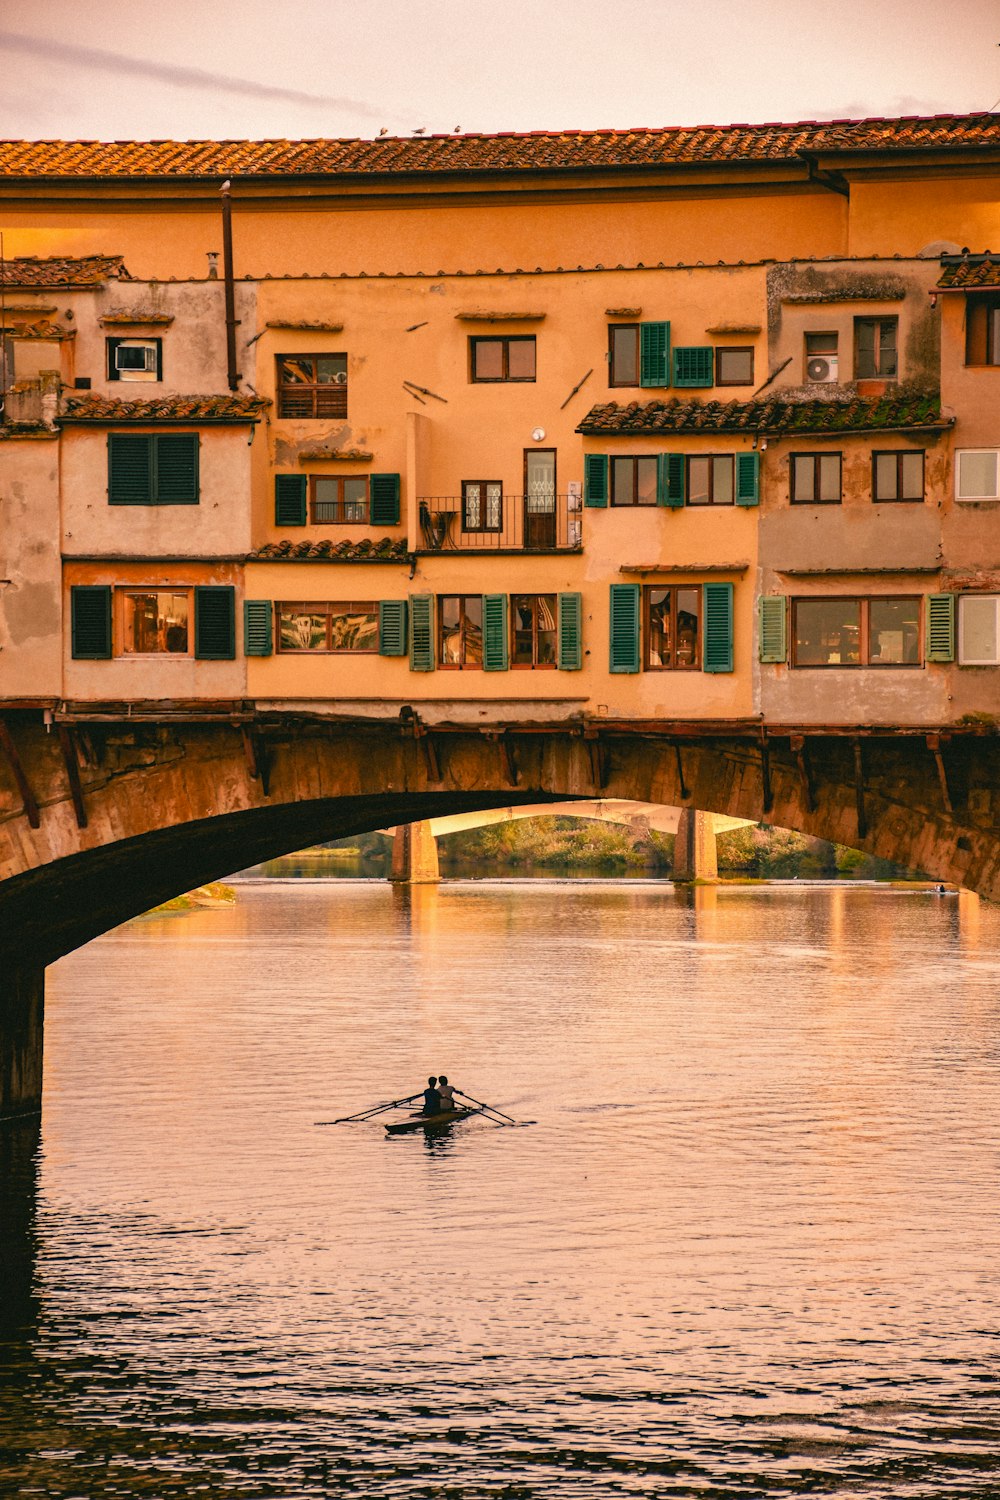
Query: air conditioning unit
[135, 357]
[821, 369]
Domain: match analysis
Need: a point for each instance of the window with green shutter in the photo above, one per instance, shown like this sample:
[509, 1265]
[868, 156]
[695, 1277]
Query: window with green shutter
[595, 479]
[215, 623]
[421, 633]
[392, 627]
[940, 627]
[153, 468]
[718, 627]
[772, 640]
[495, 632]
[384, 493]
[570, 632]
[290, 491]
[748, 478]
[624, 653]
[90, 615]
[258, 617]
[694, 365]
[654, 354]
[670, 475]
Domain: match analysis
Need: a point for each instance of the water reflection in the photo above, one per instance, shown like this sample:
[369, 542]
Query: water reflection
[749, 1248]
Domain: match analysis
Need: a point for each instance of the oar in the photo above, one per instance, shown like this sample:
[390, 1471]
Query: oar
[367, 1114]
[509, 1118]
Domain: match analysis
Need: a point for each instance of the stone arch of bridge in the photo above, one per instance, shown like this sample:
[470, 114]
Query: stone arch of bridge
[97, 824]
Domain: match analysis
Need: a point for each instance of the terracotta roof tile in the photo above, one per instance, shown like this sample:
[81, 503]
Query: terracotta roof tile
[877, 414]
[960, 272]
[532, 151]
[385, 550]
[63, 270]
[163, 409]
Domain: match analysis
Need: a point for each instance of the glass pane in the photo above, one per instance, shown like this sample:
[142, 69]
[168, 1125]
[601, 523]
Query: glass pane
[646, 481]
[660, 636]
[487, 357]
[331, 369]
[523, 615]
[545, 622]
[354, 627]
[887, 348]
[893, 632]
[865, 336]
[540, 479]
[735, 366]
[722, 477]
[450, 611]
[977, 629]
[821, 343]
[295, 371]
[687, 627]
[827, 632]
[698, 480]
[156, 622]
[803, 476]
[299, 630]
[885, 477]
[355, 499]
[521, 359]
[622, 481]
[977, 475]
[494, 506]
[625, 356]
[473, 630]
[473, 511]
[829, 477]
[913, 476]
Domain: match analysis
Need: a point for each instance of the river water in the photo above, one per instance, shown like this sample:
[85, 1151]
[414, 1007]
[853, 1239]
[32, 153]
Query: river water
[749, 1249]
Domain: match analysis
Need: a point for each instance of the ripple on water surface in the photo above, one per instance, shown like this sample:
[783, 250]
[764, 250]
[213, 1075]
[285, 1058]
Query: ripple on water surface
[749, 1248]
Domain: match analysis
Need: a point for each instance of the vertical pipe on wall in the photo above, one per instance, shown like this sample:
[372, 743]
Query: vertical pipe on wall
[233, 375]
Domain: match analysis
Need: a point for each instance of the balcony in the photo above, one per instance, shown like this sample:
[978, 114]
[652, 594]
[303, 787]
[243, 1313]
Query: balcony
[494, 522]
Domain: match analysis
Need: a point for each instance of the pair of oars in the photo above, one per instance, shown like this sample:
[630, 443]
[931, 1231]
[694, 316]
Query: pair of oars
[497, 1115]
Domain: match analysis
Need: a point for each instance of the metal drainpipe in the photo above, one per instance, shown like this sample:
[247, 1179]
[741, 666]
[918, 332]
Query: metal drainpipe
[233, 374]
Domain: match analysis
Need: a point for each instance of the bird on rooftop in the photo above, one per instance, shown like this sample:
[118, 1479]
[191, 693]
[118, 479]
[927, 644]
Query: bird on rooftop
[421, 130]
[384, 130]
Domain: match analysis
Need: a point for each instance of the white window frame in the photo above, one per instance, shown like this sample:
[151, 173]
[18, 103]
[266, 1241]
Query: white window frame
[968, 661]
[972, 452]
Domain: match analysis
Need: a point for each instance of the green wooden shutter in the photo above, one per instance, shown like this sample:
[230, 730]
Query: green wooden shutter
[175, 464]
[421, 632]
[940, 627]
[748, 478]
[694, 366]
[215, 623]
[290, 499]
[258, 617]
[90, 614]
[624, 627]
[495, 632]
[570, 632]
[595, 479]
[130, 469]
[670, 479]
[392, 627]
[384, 491]
[654, 354]
[771, 634]
[717, 611]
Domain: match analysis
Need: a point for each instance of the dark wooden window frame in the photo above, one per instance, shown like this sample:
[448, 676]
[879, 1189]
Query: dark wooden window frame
[325, 607]
[795, 499]
[319, 392]
[634, 459]
[463, 665]
[864, 633]
[711, 457]
[505, 340]
[987, 336]
[483, 507]
[647, 628]
[721, 349]
[899, 454]
[534, 665]
[878, 324]
[340, 502]
[614, 328]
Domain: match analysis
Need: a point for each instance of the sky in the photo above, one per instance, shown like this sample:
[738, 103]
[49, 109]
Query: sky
[184, 69]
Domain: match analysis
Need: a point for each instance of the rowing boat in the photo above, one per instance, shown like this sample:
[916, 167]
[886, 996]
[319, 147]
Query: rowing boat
[428, 1122]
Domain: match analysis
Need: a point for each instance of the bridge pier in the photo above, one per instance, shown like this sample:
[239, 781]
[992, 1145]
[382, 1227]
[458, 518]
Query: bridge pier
[22, 1006]
[695, 852]
[415, 855]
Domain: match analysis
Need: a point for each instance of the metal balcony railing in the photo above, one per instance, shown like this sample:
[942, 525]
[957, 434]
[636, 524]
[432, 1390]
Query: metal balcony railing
[492, 522]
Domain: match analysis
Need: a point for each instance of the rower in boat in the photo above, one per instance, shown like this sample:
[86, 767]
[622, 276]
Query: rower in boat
[447, 1092]
[432, 1098]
